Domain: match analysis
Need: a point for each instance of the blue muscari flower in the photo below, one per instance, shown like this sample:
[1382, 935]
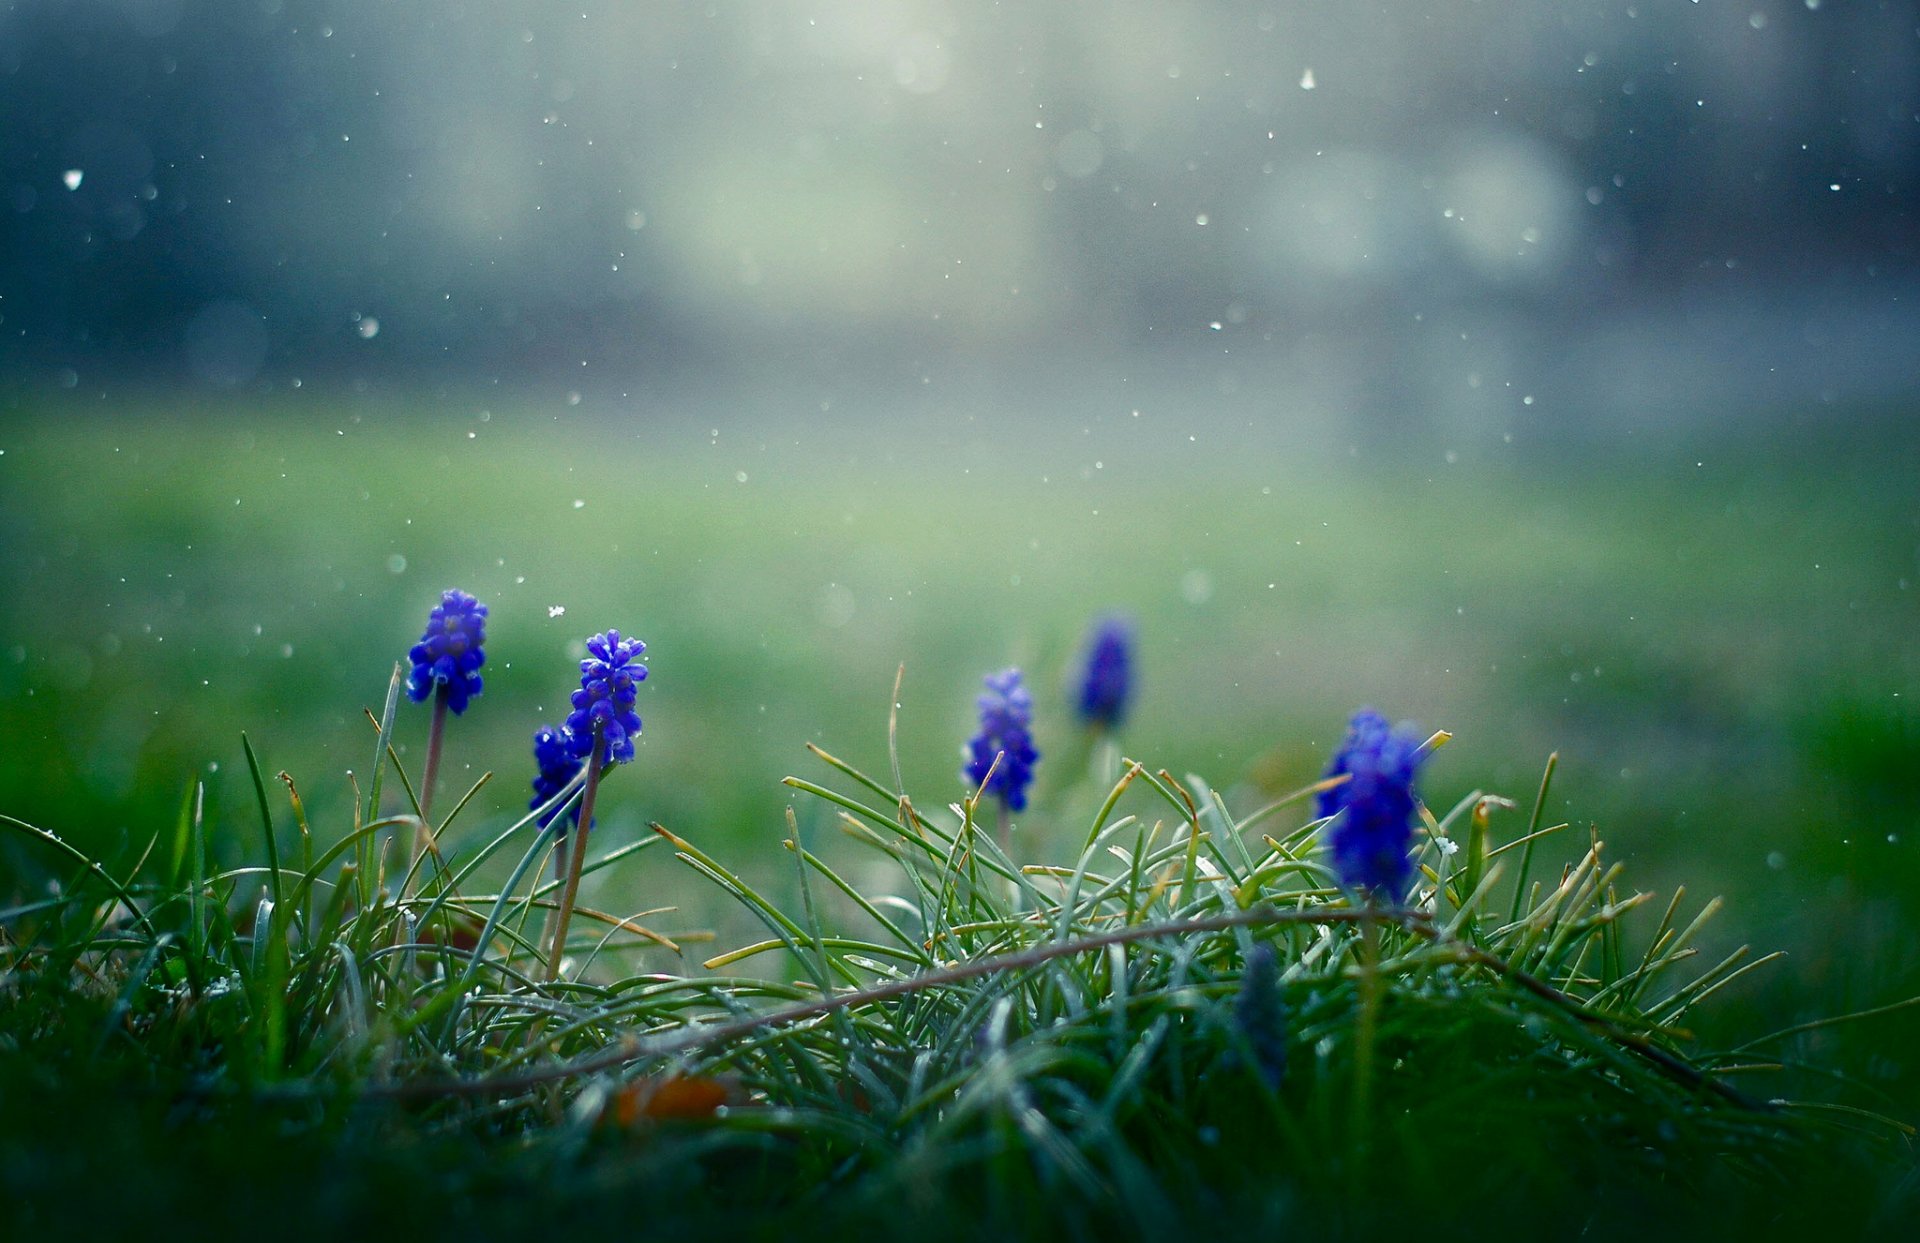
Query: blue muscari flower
[1006, 724]
[1261, 1014]
[609, 682]
[1373, 836]
[1107, 681]
[450, 651]
[1368, 731]
[553, 756]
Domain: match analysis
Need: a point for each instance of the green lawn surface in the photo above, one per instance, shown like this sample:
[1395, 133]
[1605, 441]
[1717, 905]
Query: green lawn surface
[1719, 640]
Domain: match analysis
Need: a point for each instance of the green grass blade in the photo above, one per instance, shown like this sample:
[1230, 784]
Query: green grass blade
[266, 818]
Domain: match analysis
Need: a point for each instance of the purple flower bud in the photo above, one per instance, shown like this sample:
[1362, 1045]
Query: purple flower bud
[1261, 1014]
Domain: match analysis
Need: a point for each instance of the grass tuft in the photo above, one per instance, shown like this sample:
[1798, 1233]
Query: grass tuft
[1183, 1015]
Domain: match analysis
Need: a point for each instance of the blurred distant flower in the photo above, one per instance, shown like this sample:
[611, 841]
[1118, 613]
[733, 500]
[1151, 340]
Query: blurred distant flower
[553, 756]
[1373, 835]
[1006, 723]
[609, 682]
[1106, 684]
[1261, 1014]
[450, 652]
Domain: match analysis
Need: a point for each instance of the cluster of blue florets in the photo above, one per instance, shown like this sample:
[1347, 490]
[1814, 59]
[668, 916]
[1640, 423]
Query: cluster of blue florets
[609, 681]
[557, 764]
[450, 653]
[1106, 684]
[1372, 838]
[1006, 731]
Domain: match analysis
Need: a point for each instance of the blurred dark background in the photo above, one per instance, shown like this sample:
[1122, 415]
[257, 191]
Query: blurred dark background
[1382, 213]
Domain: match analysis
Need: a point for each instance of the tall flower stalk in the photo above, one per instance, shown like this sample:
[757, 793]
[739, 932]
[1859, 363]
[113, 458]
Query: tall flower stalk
[600, 731]
[446, 665]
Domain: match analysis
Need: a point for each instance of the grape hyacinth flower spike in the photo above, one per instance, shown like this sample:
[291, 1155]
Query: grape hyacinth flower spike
[557, 767]
[1002, 754]
[1372, 834]
[603, 707]
[1106, 681]
[448, 657]
[599, 732]
[446, 665]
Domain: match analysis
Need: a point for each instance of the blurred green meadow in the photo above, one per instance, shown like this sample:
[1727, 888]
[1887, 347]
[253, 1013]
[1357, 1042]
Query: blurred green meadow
[1719, 640]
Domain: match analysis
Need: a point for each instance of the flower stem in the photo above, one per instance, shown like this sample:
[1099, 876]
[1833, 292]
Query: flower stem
[435, 735]
[1363, 1037]
[596, 768]
[560, 843]
[1105, 766]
